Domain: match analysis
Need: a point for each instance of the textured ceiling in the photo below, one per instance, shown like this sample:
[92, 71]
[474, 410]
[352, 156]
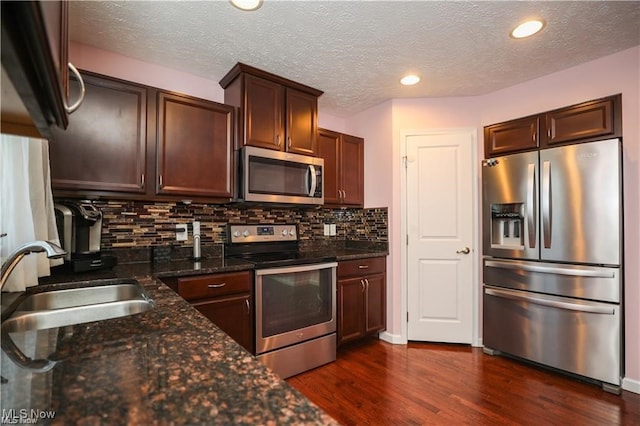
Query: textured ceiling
[356, 51]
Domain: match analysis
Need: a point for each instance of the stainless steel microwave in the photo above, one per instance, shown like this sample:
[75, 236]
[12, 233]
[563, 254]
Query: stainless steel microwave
[270, 176]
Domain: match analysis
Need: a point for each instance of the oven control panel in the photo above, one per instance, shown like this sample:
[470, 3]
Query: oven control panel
[262, 233]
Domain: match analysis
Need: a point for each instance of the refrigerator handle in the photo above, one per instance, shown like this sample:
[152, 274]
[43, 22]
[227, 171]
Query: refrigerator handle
[531, 208]
[585, 272]
[545, 201]
[513, 295]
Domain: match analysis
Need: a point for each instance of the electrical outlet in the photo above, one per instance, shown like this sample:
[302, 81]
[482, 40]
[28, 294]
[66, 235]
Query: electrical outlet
[327, 229]
[181, 232]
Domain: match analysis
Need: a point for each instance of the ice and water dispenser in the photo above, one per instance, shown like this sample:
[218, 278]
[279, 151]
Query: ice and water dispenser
[507, 225]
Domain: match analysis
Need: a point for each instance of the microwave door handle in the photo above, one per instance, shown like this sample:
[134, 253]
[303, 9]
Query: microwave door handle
[313, 180]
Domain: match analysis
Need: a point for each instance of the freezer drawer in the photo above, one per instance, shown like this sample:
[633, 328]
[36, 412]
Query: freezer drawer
[582, 282]
[577, 336]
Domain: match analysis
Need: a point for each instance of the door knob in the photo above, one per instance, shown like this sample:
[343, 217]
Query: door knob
[463, 251]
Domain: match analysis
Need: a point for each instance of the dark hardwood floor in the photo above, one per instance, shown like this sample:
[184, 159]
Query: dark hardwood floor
[376, 383]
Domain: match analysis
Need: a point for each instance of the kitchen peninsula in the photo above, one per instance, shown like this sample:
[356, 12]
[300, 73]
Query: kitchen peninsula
[166, 365]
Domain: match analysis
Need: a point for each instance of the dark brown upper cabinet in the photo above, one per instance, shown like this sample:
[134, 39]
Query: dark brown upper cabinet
[130, 141]
[343, 172]
[273, 112]
[512, 136]
[584, 122]
[195, 147]
[104, 147]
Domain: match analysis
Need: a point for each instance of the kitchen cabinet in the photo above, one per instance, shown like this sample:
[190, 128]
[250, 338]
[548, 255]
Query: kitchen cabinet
[131, 141]
[35, 44]
[195, 147]
[361, 298]
[225, 299]
[512, 136]
[105, 146]
[273, 112]
[343, 168]
[584, 122]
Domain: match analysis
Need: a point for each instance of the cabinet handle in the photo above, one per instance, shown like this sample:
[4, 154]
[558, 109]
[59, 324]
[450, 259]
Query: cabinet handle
[83, 90]
[533, 136]
[246, 301]
[142, 180]
[278, 140]
[363, 266]
[160, 180]
[289, 142]
[363, 286]
[216, 285]
[366, 280]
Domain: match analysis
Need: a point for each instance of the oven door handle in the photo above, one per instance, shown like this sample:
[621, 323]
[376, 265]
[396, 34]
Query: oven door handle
[294, 269]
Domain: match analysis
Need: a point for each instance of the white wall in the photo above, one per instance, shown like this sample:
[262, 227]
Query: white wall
[618, 73]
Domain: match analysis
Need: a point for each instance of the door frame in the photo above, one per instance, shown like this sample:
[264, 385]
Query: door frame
[476, 340]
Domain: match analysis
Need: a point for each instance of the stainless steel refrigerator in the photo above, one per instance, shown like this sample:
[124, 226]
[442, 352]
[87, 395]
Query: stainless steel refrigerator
[552, 266]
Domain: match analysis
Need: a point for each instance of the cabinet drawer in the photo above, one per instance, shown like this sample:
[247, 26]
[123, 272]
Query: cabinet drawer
[206, 286]
[351, 268]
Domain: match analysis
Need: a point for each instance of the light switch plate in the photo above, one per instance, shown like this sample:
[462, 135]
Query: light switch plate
[181, 232]
[327, 229]
[332, 229]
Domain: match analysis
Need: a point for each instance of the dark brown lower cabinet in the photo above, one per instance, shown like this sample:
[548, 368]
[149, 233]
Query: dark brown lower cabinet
[226, 299]
[361, 298]
[233, 315]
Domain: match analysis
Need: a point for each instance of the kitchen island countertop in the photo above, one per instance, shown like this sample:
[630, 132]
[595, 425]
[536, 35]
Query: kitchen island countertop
[169, 365]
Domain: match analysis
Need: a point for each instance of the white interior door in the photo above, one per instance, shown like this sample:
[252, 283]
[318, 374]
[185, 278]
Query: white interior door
[440, 226]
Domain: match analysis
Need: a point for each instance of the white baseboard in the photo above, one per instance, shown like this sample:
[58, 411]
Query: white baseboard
[631, 385]
[395, 339]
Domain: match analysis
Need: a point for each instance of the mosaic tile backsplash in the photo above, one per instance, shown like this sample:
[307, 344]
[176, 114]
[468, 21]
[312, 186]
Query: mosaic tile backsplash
[139, 224]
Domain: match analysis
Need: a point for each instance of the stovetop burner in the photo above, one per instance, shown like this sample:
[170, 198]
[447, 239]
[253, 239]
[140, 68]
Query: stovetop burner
[270, 246]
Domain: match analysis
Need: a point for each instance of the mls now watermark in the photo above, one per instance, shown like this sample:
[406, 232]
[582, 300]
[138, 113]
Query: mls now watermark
[26, 416]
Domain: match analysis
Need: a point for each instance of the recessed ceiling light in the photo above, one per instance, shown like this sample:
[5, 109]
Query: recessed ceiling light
[247, 5]
[410, 80]
[528, 28]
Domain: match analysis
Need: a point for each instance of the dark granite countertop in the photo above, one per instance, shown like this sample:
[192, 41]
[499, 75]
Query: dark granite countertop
[169, 365]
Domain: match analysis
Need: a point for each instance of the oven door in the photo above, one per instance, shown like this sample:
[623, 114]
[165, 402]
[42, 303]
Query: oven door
[294, 304]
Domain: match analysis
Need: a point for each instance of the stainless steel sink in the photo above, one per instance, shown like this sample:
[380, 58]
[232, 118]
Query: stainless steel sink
[95, 302]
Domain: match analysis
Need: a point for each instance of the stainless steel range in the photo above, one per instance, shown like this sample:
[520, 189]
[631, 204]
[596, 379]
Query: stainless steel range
[295, 297]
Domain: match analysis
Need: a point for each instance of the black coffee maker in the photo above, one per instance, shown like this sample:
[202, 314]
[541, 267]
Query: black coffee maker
[79, 226]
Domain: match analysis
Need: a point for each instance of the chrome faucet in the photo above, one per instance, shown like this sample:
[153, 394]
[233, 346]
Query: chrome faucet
[53, 252]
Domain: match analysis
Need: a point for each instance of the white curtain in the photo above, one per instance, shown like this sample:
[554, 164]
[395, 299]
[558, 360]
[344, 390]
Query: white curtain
[26, 207]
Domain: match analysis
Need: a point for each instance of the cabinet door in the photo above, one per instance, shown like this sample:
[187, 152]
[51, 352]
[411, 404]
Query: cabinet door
[350, 309]
[584, 121]
[103, 148]
[263, 109]
[328, 149]
[195, 147]
[352, 170]
[512, 136]
[233, 316]
[375, 303]
[302, 123]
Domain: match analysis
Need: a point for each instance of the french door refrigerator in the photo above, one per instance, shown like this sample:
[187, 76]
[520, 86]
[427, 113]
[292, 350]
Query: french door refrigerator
[552, 266]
